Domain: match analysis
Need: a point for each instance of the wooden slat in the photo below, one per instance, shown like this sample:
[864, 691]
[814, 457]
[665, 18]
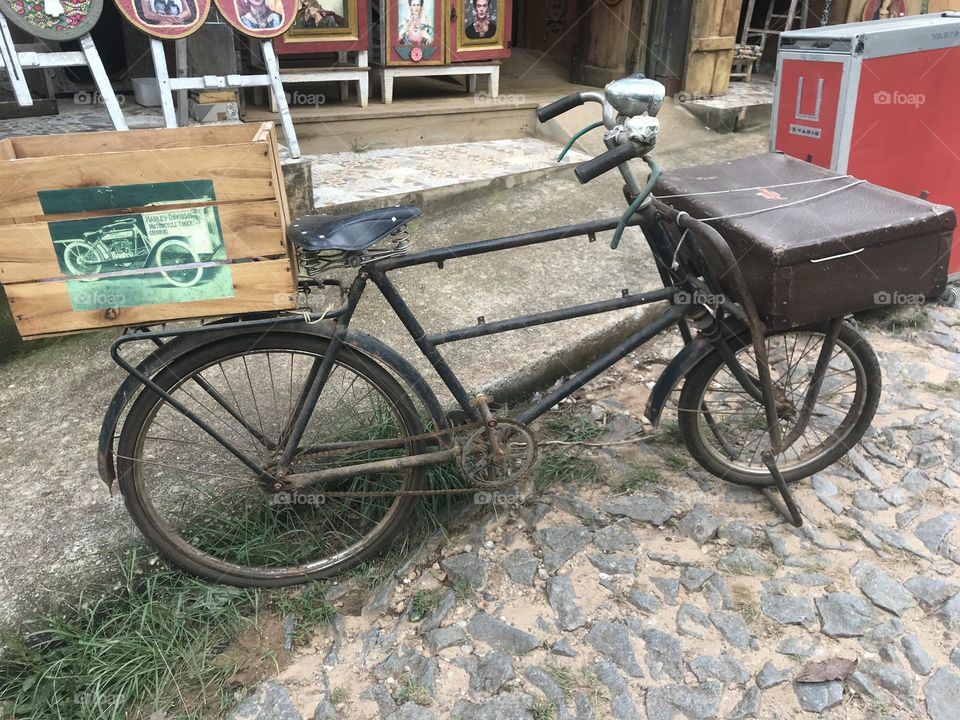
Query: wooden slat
[6, 150]
[45, 309]
[717, 42]
[239, 173]
[151, 139]
[249, 230]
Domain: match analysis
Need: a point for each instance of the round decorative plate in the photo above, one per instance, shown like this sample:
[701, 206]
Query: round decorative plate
[166, 19]
[53, 19]
[259, 18]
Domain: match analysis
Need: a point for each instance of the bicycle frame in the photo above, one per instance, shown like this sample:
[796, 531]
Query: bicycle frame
[679, 287]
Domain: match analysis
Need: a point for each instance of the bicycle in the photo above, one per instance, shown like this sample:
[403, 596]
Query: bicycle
[308, 442]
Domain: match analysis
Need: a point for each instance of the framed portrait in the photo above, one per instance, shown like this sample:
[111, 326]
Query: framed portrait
[326, 26]
[413, 32]
[165, 19]
[480, 29]
[262, 19]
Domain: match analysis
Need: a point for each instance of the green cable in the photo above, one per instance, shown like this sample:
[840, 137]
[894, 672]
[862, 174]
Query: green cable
[635, 205]
[576, 137]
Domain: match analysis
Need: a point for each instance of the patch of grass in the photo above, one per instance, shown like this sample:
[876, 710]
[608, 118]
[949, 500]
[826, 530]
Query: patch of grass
[641, 477]
[542, 709]
[408, 691]
[944, 389]
[339, 695]
[755, 619]
[797, 658]
[358, 146]
[677, 462]
[668, 433]
[463, 590]
[422, 603]
[576, 680]
[847, 532]
[573, 428]
[896, 319]
[154, 643]
[556, 468]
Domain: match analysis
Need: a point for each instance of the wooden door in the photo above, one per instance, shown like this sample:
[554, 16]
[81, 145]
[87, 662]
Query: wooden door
[713, 29]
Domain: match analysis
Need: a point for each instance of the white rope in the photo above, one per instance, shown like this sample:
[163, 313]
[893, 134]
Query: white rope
[758, 187]
[785, 205]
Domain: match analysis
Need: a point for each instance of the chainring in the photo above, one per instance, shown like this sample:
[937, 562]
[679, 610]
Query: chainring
[480, 465]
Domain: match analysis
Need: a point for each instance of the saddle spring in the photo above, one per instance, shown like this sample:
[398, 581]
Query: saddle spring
[314, 264]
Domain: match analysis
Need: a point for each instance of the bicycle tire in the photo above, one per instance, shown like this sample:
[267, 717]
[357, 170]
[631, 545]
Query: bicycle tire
[188, 553]
[694, 427]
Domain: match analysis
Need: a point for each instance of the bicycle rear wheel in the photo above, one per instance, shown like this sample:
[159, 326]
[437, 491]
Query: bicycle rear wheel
[725, 430]
[209, 514]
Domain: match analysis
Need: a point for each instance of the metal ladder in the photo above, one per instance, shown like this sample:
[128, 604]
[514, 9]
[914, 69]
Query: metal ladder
[774, 24]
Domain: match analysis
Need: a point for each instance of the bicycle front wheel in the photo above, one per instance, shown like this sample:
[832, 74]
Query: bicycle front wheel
[725, 429]
[208, 513]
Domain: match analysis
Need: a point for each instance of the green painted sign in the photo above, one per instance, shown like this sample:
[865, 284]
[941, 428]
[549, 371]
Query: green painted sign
[148, 258]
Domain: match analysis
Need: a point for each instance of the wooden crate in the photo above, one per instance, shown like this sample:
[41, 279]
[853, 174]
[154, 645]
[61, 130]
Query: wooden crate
[92, 223]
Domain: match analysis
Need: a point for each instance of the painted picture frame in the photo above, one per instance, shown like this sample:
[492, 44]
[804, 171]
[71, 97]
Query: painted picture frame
[321, 26]
[413, 32]
[71, 19]
[165, 19]
[262, 19]
[480, 30]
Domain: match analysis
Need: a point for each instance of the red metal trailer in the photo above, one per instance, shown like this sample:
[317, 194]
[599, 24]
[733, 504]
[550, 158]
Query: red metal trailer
[878, 100]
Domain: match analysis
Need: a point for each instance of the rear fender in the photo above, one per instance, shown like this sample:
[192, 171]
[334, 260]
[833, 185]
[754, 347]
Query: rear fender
[357, 341]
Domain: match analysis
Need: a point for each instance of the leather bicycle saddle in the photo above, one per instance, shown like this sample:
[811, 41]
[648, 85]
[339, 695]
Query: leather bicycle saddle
[348, 233]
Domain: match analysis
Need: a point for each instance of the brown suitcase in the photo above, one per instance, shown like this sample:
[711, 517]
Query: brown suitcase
[850, 249]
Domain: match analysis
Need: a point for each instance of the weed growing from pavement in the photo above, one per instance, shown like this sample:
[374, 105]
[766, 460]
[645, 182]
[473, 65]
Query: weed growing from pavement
[558, 468]
[422, 603]
[542, 709]
[463, 590]
[573, 427]
[339, 695]
[408, 691]
[576, 680]
[640, 478]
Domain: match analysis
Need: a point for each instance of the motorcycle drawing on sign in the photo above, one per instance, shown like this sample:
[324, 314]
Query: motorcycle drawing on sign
[123, 245]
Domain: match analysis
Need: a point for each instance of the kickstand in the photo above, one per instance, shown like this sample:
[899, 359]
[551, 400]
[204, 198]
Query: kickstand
[792, 511]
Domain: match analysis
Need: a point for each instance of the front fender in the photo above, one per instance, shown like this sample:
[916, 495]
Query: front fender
[677, 369]
[357, 341]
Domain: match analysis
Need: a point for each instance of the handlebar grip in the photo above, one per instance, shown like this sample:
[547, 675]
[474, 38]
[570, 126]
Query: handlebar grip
[596, 167]
[558, 107]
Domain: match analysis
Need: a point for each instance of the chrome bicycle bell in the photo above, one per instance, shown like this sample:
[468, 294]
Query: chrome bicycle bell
[635, 95]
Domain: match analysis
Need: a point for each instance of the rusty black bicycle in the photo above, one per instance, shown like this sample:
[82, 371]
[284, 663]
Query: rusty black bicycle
[275, 449]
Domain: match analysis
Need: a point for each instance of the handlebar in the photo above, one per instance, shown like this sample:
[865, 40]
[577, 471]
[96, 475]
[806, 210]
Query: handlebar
[558, 107]
[594, 168]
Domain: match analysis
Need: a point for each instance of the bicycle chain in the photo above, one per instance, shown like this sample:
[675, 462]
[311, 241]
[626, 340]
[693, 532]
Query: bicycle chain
[436, 435]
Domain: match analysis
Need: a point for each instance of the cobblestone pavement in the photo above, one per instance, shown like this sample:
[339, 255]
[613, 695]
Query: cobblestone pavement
[659, 592]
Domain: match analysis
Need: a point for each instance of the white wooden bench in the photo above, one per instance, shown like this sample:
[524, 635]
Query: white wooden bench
[471, 71]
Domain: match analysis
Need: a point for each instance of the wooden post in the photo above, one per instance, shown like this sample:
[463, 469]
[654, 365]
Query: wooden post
[163, 81]
[11, 61]
[280, 97]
